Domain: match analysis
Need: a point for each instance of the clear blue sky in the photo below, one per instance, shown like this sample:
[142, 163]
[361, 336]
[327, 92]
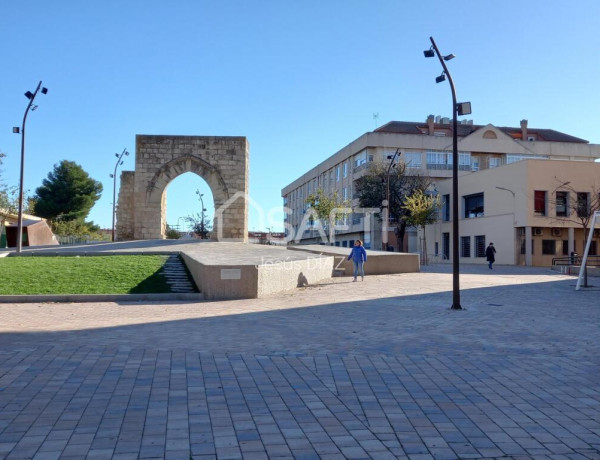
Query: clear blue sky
[299, 79]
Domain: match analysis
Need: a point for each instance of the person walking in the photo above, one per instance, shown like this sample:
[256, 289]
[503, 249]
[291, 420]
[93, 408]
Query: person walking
[359, 257]
[490, 255]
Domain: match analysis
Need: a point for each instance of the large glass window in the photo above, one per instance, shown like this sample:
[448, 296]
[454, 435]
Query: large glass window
[480, 246]
[473, 205]
[539, 202]
[360, 159]
[465, 246]
[562, 204]
[345, 169]
[413, 159]
[443, 160]
[337, 173]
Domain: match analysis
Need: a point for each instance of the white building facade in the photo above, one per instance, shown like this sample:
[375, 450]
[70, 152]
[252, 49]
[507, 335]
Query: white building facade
[426, 149]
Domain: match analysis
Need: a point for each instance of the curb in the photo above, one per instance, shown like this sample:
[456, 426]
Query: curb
[197, 296]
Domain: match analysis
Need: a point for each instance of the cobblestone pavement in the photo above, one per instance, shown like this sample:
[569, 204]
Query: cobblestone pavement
[380, 369]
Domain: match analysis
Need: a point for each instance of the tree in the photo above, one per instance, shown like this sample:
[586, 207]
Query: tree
[372, 190]
[68, 193]
[579, 207]
[327, 207]
[201, 225]
[422, 210]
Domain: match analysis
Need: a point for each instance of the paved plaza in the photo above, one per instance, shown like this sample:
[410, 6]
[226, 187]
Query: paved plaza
[380, 369]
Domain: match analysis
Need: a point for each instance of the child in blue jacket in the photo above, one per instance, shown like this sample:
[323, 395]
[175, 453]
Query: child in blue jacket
[359, 257]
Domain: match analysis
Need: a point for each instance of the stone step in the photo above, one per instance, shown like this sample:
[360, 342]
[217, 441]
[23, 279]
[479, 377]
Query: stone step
[177, 276]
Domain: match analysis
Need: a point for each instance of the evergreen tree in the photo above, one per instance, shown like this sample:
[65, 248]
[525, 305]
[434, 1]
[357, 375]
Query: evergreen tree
[67, 194]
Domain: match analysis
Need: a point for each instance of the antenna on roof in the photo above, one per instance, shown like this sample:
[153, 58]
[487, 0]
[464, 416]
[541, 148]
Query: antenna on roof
[375, 117]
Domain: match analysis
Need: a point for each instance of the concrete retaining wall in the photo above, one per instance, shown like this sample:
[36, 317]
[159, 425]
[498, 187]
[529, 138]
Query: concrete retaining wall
[378, 262]
[219, 282]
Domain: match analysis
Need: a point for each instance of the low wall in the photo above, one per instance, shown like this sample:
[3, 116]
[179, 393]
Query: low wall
[250, 281]
[378, 262]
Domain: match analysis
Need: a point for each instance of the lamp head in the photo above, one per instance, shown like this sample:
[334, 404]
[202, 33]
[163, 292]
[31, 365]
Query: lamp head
[16, 130]
[441, 78]
[29, 95]
[429, 53]
[44, 90]
[112, 176]
[449, 57]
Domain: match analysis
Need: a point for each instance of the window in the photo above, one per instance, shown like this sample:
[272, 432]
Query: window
[437, 248]
[495, 162]
[465, 246]
[360, 159]
[514, 158]
[446, 246]
[549, 247]
[473, 205]
[565, 247]
[446, 208]
[480, 246]
[592, 249]
[345, 169]
[475, 164]
[523, 246]
[337, 173]
[438, 160]
[413, 160]
[562, 204]
[583, 208]
[443, 160]
[345, 244]
[345, 193]
[539, 202]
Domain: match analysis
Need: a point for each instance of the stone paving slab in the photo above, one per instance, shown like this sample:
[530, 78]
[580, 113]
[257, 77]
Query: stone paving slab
[380, 369]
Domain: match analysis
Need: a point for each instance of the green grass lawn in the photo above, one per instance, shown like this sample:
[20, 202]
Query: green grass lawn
[83, 275]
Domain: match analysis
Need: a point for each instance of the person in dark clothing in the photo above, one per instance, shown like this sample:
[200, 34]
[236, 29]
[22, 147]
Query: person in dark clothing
[359, 257]
[490, 255]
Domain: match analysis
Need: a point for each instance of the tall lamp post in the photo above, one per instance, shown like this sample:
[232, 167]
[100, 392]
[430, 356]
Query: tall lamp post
[200, 195]
[31, 96]
[463, 108]
[386, 216]
[114, 177]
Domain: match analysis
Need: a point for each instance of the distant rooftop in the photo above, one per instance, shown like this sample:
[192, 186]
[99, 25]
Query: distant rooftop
[464, 129]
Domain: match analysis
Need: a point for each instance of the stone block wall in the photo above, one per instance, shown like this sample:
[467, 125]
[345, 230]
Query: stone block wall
[223, 162]
[125, 206]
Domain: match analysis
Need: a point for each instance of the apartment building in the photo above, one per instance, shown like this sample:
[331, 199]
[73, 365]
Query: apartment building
[426, 149]
[530, 211]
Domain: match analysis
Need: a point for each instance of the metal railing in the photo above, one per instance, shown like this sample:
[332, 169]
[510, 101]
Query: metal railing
[592, 261]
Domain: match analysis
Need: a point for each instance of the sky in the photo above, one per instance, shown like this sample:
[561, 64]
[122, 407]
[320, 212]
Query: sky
[300, 80]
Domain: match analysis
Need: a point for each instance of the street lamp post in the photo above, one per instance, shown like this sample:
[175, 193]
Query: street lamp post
[463, 108]
[386, 214]
[31, 96]
[200, 195]
[114, 176]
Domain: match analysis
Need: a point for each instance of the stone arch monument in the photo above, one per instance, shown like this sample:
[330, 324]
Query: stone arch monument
[223, 162]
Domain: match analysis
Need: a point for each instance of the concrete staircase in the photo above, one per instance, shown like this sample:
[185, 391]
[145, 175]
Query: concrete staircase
[177, 276]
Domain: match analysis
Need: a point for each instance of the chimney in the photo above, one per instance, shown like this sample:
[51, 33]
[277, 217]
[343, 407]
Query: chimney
[524, 130]
[430, 125]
